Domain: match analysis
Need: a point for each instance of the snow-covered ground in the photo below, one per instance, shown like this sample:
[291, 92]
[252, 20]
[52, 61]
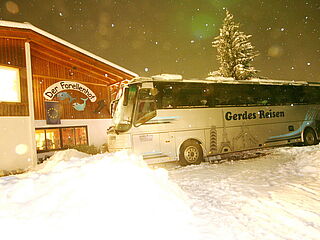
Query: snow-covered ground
[273, 197]
[117, 196]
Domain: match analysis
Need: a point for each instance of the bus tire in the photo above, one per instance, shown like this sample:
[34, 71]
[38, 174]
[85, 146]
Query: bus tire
[309, 137]
[190, 153]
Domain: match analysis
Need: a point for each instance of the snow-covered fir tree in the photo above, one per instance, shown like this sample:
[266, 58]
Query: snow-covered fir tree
[235, 51]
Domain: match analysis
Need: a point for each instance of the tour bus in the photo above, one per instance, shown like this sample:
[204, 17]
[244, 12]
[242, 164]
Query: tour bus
[166, 118]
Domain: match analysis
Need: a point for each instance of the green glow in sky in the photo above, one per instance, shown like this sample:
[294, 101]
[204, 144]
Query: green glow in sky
[224, 3]
[204, 26]
[175, 36]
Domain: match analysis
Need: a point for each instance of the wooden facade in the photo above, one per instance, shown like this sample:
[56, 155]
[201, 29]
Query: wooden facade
[47, 69]
[52, 62]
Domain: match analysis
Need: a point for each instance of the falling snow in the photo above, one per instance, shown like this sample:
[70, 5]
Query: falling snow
[90, 24]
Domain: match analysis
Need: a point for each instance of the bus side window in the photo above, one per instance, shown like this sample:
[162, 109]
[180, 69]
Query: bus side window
[234, 95]
[167, 97]
[221, 95]
[167, 102]
[191, 95]
[264, 96]
[298, 95]
[312, 95]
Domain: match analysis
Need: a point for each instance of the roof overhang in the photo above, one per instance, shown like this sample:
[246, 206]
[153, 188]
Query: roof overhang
[29, 26]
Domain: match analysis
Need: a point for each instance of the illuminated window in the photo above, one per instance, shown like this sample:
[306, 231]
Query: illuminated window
[60, 138]
[9, 84]
[41, 139]
[53, 139]
[68, 139]
[81, 136]
[48, 139]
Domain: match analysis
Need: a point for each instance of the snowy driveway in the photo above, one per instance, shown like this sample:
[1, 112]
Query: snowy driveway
[118, 197]
[273, 197]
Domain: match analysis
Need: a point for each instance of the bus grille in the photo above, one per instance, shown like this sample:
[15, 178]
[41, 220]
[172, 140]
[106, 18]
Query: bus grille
[213, 140]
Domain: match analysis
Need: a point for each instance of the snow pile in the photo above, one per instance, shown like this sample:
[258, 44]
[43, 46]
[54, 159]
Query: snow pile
[60, 158]
[98, 197]
[306, 160]
[272, 197]
[117, 196]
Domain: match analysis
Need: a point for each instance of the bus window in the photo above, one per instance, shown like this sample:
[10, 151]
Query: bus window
[167, 97]
[146, 106]
[312, 95]
[191, 95]
[227, 95]
[263, 95]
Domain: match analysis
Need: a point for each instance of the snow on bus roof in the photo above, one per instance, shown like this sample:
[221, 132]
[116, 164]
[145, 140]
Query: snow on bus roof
[29, 26]
[179, 78]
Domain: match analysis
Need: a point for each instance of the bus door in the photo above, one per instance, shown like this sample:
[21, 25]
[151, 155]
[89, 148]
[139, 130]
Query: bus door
[156, 146]
[167, 144]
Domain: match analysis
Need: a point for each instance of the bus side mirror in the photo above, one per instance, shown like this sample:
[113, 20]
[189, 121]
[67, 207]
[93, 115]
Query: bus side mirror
[126, 94]
[113, 106]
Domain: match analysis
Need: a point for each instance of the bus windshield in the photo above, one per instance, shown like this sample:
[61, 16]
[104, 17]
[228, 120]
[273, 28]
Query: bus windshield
[123, 114]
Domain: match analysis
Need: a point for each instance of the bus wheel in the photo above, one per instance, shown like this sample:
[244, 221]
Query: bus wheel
[190, 153]
[309, 137]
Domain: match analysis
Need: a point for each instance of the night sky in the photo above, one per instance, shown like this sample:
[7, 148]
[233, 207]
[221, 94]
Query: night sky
[175, 36]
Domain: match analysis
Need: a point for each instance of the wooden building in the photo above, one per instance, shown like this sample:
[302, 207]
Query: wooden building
[53, 94]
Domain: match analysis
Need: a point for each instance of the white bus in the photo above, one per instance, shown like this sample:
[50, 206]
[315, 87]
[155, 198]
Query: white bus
[166, 118]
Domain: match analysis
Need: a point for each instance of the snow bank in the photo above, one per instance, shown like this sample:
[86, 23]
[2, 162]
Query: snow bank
[60, 157]
[117, 196]
[306, 160]
[94, 197]
[272, 197]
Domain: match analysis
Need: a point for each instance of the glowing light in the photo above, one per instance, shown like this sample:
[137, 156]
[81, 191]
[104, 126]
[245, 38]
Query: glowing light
[275, 51]
[146, 69]
[203, 26]
[223, 4]
[9, 85]
[12, 7]
[21, 149]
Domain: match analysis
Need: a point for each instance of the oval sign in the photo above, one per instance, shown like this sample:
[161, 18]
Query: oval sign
[51, 91]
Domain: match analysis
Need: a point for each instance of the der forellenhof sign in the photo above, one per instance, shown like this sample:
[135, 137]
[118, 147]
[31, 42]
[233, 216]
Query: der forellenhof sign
[52, 90]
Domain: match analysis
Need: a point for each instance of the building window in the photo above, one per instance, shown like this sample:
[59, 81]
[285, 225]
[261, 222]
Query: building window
[9, 84]
[50, 139]
[81, 135]
[53, 139]
[41, 139]
[68, 137]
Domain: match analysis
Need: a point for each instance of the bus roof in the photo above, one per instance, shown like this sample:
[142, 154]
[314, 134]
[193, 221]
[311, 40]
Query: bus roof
[178, 78]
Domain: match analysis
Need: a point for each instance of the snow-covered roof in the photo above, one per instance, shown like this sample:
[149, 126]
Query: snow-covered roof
[61, 41]
[179, 78]
[165, 76]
